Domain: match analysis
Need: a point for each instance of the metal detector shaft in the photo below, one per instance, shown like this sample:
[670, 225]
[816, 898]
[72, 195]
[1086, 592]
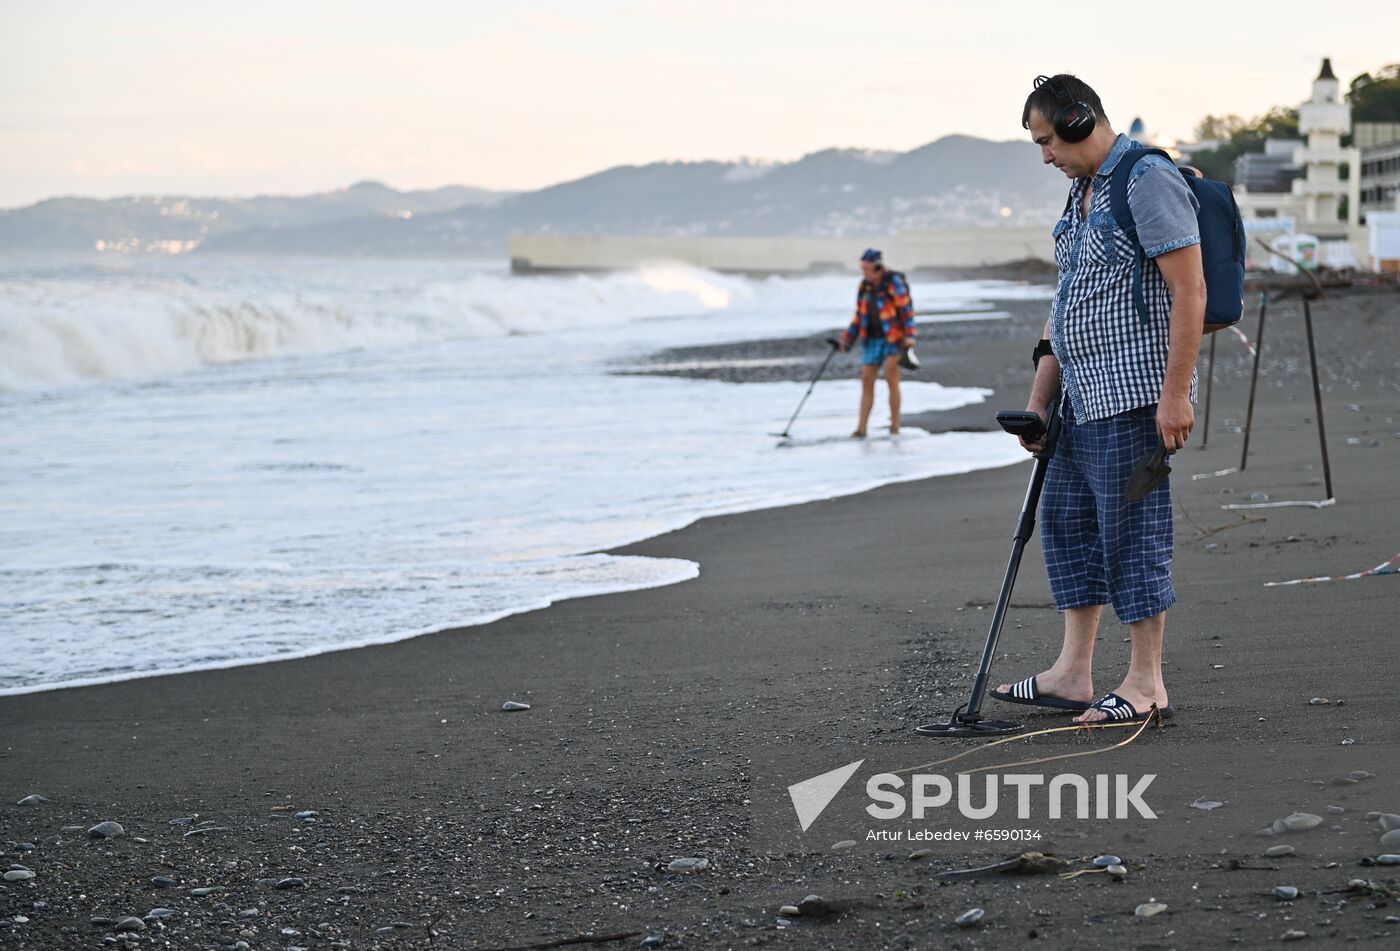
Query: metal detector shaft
[812, 386]
[1025, 528]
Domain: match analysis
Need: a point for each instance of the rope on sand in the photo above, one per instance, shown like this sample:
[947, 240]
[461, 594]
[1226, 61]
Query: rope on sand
[1388, 567]
[1154, 715]
[1243, 339]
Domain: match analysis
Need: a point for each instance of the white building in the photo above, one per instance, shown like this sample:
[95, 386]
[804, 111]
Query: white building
[1315, 201]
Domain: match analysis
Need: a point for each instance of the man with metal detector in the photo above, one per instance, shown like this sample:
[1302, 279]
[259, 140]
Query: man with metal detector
[1119, 362]
[884, 324]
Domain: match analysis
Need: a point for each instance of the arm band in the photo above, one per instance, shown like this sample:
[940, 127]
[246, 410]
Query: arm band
[1042, 349]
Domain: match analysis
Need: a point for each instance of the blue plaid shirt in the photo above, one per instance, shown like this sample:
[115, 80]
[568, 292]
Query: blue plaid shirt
[1110, 361]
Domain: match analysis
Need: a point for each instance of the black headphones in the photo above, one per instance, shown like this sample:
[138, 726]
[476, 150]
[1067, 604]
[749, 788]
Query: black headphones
[1073, 120]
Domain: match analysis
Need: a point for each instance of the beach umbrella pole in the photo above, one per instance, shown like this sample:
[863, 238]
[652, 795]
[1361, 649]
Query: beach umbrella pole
[967, 720]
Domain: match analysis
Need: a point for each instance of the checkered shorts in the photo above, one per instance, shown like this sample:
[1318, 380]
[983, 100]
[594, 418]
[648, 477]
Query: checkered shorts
[1099, 548]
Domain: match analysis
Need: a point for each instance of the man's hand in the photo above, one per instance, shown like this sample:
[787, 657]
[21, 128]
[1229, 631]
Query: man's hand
[1035, 446]
[1175, 419]
[905, 343]
[844, 345]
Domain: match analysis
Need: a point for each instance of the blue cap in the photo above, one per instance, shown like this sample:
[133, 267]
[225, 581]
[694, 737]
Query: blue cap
[872, 254]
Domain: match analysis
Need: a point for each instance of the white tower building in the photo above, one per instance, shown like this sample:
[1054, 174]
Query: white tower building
[1324, 119]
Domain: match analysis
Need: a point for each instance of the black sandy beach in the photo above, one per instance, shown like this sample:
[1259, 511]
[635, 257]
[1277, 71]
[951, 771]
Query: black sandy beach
[380, 797]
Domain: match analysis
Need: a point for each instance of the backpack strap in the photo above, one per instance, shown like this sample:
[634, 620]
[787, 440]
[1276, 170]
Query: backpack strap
[1123, 216]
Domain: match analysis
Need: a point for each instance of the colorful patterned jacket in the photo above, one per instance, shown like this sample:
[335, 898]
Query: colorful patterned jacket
[893, 304]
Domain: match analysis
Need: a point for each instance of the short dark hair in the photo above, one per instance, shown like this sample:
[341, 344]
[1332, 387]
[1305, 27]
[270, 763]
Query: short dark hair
[1043, 100]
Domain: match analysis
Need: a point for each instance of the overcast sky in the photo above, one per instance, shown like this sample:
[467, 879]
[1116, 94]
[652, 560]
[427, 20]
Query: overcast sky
[109, 98]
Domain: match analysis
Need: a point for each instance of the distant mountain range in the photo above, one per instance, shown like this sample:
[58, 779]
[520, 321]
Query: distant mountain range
[957, 180]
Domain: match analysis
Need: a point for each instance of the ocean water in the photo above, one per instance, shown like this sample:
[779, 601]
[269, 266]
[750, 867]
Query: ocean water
[211, 462]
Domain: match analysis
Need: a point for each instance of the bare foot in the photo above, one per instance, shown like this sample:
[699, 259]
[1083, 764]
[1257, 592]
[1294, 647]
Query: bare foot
[1141, 696]
[858, 434]
[1053, 683]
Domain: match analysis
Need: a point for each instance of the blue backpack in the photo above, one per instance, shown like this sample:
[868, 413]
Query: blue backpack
[1222, 239]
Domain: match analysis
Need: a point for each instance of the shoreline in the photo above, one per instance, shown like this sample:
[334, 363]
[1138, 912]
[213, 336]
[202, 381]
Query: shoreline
[935, 422]
[826, 628]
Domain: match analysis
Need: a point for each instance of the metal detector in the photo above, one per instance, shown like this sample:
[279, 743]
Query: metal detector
[835, 345]
[967, 720]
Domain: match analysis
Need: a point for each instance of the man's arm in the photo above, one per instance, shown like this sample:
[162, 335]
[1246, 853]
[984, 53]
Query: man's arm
[904, 308]
[1044, 389]
[1182, 270]
[849, 335]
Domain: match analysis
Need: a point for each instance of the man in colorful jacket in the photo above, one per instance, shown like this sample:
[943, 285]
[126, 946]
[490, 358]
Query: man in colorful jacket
[884, 325]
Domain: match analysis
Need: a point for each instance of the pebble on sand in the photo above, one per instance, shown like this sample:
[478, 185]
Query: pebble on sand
[131, 923]
[18, 875]
[1297, 822]
[512, 706]
[1279, 851]
[1117, 871]
[107, 830]
[688, 865]
[970, 918]
[1285, 892]
[1389, 858]
[843, 845]
[1104, 861]
[33, 800]
[1293, 936]
[1149, 908]
[289, 883]
[1391, 839]
[1389, 821]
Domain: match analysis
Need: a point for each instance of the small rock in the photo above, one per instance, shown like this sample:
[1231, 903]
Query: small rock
[131, 923]
[289, 883]
[33, 800]
[1279, 851]
[1299, 822]
[1336, 809]
[159, 913]
[1359, 774]
[164, 881]
[107, 830]
[1389, 858]
[1104, 861]
[1319, 701]
[688, 865]
[1293, 936]
[843, 845]
[815, 906]
[1285, 892]
[1149, 908]
[1391, 839]
[1347, 742]
[920, 853]
[307, 814]
[1258, 496]
[511, 706]
[788, 911]
[1206, 804]
[654, 940]
[1389, 821]
[18, 875]
[970, 918]
[201, 892]
[1117, 871]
